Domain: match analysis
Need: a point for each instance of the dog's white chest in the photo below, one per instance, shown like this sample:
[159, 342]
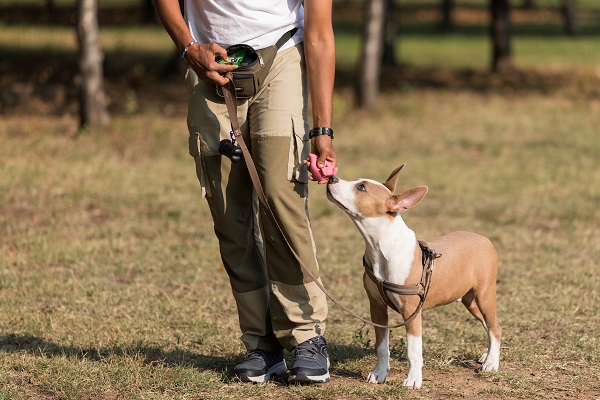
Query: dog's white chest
[394, 254]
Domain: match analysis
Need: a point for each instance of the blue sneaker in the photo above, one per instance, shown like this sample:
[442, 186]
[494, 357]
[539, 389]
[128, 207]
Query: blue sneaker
[312, 362]
[259, 366]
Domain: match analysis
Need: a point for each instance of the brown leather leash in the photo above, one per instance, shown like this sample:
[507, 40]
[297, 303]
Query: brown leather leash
[230, 96]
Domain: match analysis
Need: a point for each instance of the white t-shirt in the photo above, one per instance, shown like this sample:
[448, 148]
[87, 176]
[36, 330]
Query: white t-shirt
[257, 23]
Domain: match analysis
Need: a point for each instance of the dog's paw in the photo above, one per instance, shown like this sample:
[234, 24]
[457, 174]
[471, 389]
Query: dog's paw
[413, 382]
[483, 358]
[490, 364]
[376, 378]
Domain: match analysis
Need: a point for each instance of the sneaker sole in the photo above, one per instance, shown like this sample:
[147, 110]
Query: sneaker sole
[301, 378]
[276, 370]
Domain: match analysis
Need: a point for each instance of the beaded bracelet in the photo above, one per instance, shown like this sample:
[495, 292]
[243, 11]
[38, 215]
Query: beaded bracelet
[187, 47]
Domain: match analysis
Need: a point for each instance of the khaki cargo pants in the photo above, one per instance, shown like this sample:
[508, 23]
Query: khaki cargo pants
[278, 305]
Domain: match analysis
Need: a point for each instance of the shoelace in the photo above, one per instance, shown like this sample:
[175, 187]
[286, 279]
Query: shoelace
[255, 354]
[310, 350]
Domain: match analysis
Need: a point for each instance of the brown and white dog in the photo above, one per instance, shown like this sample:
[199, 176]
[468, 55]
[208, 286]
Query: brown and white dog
[465, 272]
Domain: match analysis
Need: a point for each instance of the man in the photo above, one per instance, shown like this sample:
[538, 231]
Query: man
[279, 306]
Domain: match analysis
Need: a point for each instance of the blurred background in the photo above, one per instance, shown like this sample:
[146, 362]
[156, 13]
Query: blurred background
[382, 45]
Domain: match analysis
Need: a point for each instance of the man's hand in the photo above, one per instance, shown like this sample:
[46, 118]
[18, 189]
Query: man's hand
[322, 146]
[201, 58]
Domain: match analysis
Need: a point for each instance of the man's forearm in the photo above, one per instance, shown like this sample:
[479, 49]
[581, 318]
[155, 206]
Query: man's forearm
[320, 63]
[319, 51]
[170, 16]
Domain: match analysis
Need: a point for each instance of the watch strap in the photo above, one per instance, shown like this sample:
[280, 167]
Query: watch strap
[320, 131]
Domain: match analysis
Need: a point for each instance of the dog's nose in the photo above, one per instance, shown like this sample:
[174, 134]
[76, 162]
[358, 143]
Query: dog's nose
[333, 179]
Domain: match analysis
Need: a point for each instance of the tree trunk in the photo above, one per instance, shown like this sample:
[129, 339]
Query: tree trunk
[500, 35]
[49, 5]
[92, 110]
[447, 23]
[528, 4]
[389, 36]
[148, 12]
[175, 64]
[570, 17]
[370, 61]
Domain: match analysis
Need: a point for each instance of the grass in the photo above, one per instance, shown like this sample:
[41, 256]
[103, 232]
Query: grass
[110, 280]
[111, 284]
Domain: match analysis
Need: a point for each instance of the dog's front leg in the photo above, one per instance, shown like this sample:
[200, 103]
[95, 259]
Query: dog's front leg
[379, 315]
[414, 350]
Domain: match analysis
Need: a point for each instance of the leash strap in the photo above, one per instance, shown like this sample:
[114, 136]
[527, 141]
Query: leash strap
[230, 96]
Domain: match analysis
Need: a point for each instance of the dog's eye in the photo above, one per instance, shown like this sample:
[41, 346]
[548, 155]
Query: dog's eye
[361, 187]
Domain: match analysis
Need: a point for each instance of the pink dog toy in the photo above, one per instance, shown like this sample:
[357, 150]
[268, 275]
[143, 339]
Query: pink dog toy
[321, 175]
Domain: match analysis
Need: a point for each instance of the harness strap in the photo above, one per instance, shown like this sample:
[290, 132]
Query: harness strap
[420, 289]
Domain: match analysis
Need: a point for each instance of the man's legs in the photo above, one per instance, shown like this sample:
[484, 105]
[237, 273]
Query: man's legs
[279, 129]
[279, 132]
[279, 143]
[229, 193]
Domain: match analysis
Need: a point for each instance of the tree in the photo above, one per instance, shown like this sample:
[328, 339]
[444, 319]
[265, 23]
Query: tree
[49, 5]
[447, 23]
[569, 15]
[148, 14]
[378, 26]
[175, 64]
[92, 103]
[389, 34]
[369, 71]
[500, 35]
[528, 4]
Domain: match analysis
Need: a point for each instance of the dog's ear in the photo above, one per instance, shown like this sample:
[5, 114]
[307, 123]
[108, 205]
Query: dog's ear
[391, 181]
[408, 199]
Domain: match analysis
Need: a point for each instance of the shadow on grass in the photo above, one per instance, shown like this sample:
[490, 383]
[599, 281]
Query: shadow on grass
[57, 94]
[407, 78]
[152, 355]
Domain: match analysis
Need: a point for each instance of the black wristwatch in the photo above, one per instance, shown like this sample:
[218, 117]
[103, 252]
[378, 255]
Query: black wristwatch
[320, 131]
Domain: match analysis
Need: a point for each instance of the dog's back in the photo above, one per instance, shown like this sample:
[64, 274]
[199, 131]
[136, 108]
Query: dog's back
[468, 261]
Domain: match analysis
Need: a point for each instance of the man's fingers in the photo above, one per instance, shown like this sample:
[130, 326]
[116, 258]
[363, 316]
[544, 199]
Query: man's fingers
[224, 68]
[217, 78]
[218, 51]
[321, 160]
[322, 146]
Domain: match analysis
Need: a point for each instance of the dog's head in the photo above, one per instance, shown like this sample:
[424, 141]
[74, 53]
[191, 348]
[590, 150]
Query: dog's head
[366, 198]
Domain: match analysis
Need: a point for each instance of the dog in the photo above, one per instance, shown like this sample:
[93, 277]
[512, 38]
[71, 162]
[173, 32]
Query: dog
[466, 270]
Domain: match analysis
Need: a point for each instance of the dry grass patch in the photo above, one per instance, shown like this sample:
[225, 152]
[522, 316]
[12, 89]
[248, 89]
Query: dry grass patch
[111, 285]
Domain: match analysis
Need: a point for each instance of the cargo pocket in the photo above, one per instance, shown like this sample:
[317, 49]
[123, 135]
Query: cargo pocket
[196, 149]
[299, 149]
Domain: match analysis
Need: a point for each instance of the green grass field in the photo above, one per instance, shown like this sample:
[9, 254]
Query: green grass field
[110, 280]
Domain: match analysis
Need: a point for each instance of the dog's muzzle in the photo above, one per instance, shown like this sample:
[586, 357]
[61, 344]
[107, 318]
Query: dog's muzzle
[332, 179]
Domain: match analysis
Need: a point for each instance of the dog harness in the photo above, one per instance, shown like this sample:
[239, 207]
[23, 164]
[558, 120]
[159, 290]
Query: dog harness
[420, 289]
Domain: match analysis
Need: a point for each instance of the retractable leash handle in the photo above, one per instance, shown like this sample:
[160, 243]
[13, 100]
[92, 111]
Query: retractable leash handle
[231, 102]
